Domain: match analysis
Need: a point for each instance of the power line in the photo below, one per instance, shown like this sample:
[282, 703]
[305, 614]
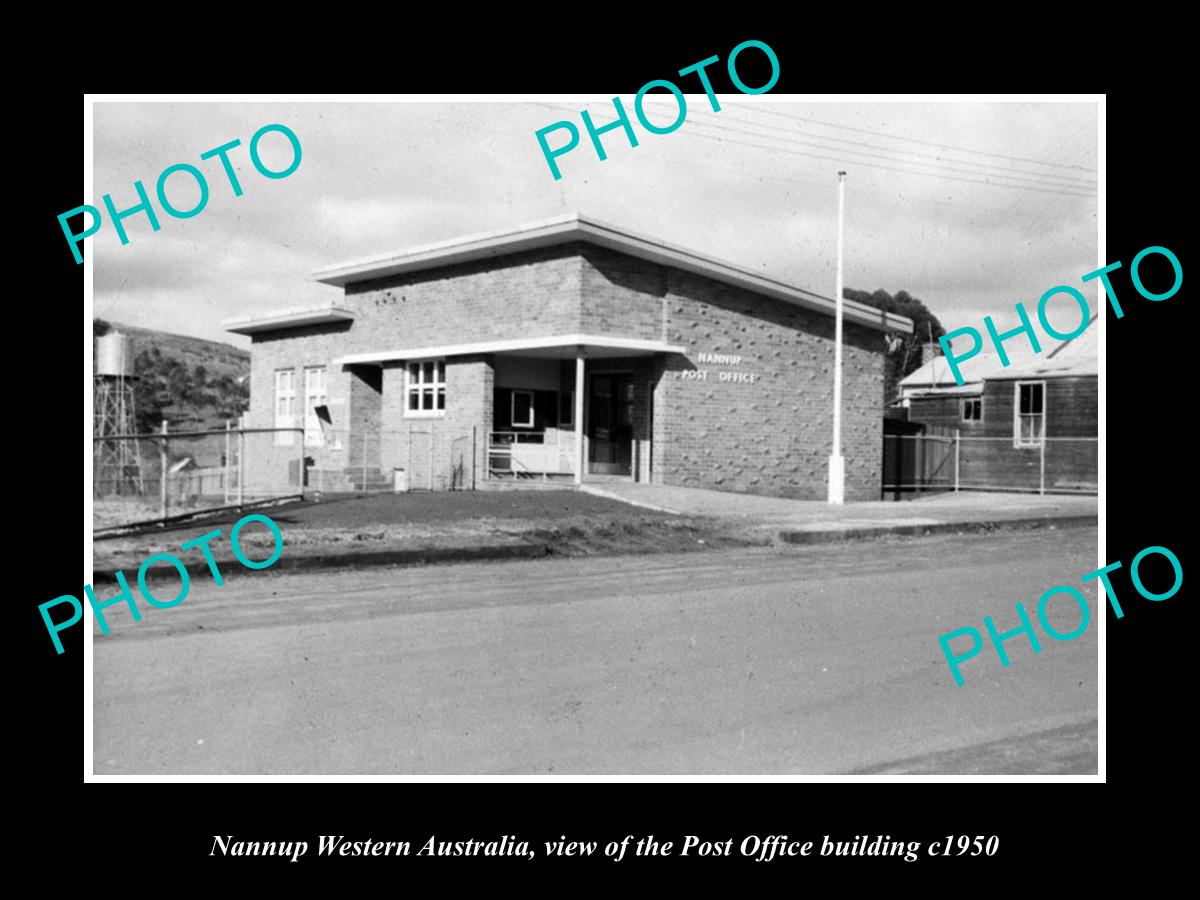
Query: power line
[1018, 187]
[1045, 190]
[1081, 186]
[897, 137]
[1085, 182]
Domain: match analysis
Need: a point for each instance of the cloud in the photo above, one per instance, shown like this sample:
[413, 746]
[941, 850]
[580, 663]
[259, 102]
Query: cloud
[377, 177]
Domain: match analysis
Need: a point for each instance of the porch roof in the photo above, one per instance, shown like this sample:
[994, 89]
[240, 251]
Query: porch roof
[563, 346]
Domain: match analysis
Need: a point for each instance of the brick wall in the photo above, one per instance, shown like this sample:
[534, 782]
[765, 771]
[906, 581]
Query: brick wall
[294, 349]
[623, 295]
[364, 416]
[437, 452]
[536, 292]
[771, 435]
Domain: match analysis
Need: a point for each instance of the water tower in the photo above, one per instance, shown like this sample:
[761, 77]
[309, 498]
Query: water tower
[118, 467]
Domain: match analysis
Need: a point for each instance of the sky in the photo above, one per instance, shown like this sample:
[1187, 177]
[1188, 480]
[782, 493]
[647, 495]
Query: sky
[970, 206]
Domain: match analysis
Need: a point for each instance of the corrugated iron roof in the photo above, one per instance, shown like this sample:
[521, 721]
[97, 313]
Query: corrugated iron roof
[1078, 356]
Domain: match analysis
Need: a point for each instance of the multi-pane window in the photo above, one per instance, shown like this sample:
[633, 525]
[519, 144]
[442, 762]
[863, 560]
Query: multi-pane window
[972, 409]
[285, 406]
[1029, 426]
[426, 388]
[314, 396]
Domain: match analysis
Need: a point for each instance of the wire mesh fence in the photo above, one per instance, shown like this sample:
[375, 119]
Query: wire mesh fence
[418, 457]
[924, 463]
[146, 477]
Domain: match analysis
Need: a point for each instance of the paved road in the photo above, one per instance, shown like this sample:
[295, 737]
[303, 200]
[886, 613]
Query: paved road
[799, 660]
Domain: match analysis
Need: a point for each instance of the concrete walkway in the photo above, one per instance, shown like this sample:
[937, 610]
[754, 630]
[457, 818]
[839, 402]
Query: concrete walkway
[816, 516]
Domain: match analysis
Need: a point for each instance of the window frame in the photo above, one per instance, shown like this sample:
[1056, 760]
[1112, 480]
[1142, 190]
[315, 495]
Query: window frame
[285, 438]
[512, 409]
[421, 386]
[567, 421]
[967, 401]
[314, 434]
[1039, 442]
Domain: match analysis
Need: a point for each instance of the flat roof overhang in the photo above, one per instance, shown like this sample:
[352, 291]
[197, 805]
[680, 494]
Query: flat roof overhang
[570, 228]
[289, 318]
[564, 346]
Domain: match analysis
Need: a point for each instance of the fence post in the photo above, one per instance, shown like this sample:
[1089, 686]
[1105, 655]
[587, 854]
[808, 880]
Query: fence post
[362, 485]
[1042, 468]
[321, 471]
[162, 487]
[241, 493]
[300, 471]
[957, 441]
[228, 459]
[922, 468]
[474, 428]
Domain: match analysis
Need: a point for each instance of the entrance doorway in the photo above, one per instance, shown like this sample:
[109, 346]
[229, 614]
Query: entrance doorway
[610, 424]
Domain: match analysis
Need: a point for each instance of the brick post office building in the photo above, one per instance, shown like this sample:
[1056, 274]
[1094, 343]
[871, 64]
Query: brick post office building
[480, 361]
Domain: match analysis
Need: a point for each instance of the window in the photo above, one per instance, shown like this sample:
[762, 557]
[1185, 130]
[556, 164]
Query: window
[426, 389]
[314, 396]
[285, 406]
[522, 409]
[972, 409]
[566, 409]
[1029, 423]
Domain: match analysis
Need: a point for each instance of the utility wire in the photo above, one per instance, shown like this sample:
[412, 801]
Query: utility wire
[842, 159]
[1030, 177]
[1081, 186]
[897, 137]
[990, 167]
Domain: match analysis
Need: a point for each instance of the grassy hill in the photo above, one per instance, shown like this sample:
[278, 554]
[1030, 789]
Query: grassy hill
[194, 384]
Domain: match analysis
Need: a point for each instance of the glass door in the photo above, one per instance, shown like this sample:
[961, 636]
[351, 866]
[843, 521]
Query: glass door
[610, 424]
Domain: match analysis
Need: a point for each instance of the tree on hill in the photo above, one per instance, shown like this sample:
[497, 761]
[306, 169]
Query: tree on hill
[168, 387]
[905, 358]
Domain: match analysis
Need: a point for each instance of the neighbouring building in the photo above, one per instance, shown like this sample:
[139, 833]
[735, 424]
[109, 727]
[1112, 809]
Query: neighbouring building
[1030, 425]
[480, 361]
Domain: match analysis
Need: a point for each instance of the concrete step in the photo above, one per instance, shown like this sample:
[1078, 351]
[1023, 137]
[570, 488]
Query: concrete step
[508, 484]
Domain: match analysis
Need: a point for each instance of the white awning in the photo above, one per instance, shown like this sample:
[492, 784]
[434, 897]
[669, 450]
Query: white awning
[563, 346]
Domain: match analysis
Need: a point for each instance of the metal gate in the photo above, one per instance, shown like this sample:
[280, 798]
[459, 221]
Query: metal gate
[918, 463]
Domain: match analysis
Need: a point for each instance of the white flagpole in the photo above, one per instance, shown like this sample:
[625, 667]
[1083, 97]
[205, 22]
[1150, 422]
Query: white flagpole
[837, 463]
